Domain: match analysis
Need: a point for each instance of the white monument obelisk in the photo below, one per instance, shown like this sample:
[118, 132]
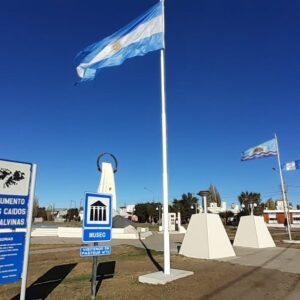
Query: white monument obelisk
[107, 184]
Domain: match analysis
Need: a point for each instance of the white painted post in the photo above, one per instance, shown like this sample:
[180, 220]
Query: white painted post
[28, 233]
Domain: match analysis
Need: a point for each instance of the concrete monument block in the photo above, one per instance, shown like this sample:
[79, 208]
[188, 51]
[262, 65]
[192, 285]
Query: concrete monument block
[253, 232]
[206, 238]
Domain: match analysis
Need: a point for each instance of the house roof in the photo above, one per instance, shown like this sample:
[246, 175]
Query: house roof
[120, 222]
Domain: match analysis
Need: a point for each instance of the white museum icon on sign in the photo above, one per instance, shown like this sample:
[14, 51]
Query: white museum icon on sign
[98, 212]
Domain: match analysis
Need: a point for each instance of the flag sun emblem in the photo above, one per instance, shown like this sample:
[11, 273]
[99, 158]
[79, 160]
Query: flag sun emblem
[117, 46]
[258, 150]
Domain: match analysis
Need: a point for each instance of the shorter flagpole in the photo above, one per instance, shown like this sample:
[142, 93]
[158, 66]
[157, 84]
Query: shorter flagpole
[283, 189]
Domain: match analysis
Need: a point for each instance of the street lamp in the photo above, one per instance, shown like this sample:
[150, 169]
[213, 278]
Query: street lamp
[252, 205]
[195, 206]
[158, 208]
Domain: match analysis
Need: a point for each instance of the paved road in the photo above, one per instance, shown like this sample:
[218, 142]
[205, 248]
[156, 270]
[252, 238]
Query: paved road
[279, 258]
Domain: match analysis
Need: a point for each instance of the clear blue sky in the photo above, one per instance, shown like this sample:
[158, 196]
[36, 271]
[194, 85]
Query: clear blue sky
[233, 74]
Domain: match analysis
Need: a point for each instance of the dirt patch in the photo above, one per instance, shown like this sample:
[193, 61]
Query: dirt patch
[64, 275]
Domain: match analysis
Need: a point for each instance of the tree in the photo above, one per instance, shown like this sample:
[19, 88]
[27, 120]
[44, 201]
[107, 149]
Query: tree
[42, 213]
[151, 211]
[184, 205]
[225, 216]
[72, 214]
[147, 212]
[141, 212]
[247, 199]
[50, 213]
[35, 209]
[270, 204]
[213, 196]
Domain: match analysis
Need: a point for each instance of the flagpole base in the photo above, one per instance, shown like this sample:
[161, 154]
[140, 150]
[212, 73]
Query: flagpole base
[291, 241]
[162, 278]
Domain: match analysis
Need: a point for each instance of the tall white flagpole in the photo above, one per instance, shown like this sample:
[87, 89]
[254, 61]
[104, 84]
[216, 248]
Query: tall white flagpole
[164, 155]
[285, 204]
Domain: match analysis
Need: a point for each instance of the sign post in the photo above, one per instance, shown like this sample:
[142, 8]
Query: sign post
[28, 235]
[97, 224]
[17, 185]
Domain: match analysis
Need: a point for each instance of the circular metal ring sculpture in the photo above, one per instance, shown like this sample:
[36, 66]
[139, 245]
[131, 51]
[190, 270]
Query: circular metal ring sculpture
[112, 156]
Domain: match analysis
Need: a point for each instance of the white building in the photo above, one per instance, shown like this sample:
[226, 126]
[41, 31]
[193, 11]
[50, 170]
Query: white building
[127, 211]
[215, 209]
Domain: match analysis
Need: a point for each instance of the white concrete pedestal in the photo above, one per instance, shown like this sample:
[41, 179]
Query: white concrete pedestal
[253, 232]
[206, 238]
[162, 278]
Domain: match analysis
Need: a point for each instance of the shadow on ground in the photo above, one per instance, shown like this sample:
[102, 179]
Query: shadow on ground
[44, 285]
[105, 270]
[155, 263]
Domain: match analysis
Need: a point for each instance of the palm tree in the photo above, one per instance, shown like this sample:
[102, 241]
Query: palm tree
[247, 198]
[184, 206]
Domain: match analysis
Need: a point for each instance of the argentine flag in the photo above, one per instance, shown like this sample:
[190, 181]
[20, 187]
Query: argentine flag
[291, 166]
[143, 35]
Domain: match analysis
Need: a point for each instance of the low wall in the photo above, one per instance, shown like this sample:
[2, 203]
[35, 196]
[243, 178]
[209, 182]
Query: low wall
[70, 232]
[282, 225]
[76, 232]
[43, 231]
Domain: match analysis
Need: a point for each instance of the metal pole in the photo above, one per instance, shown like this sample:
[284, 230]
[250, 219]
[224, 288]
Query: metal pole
[164, 155]
[94, 276]
[28, 233]
[286, 210]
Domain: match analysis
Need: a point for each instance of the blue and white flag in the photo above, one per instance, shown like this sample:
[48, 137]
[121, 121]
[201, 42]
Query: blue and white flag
[263, 150]
[143, 35]
[291, 166]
